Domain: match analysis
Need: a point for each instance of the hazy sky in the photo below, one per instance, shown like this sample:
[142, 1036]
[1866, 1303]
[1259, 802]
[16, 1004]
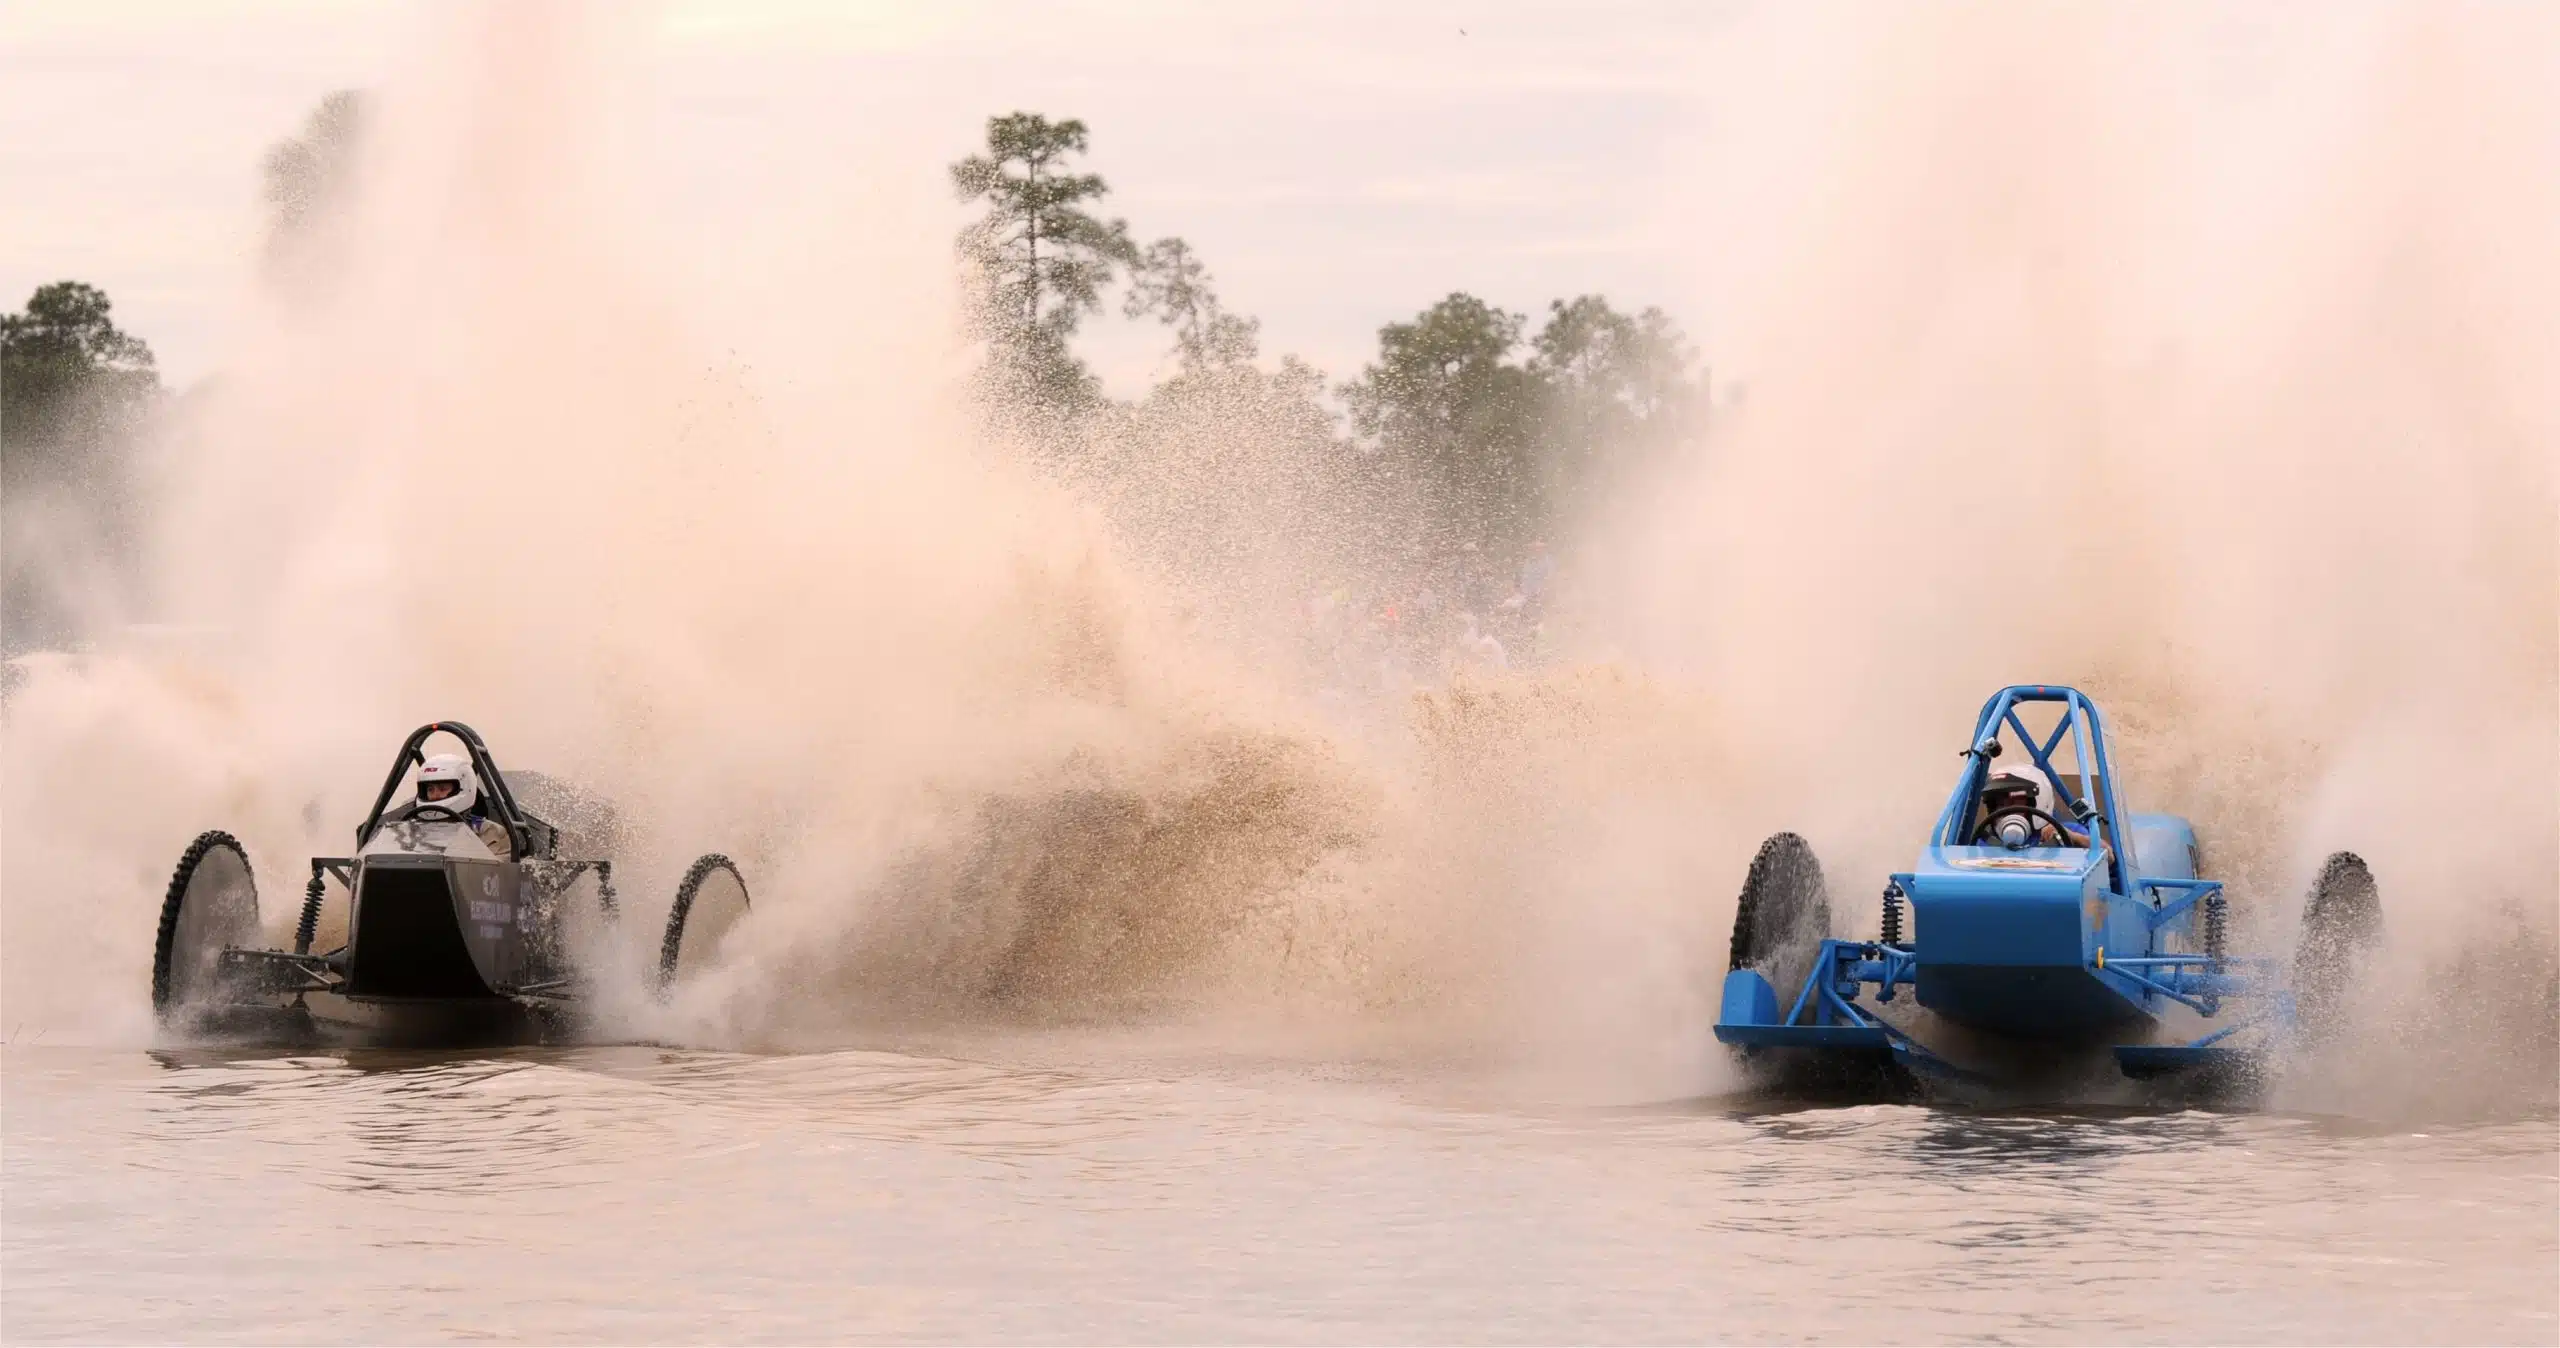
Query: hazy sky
[1338, 165]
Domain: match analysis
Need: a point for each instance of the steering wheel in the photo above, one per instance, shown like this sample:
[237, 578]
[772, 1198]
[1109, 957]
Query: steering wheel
[1989, 833]
[423, 813]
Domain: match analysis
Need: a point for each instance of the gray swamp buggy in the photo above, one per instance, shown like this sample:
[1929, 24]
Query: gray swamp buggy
[446, 941]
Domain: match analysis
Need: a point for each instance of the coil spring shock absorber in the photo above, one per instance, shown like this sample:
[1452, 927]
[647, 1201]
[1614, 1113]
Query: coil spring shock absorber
[2217, 921]
[1892, 913]
[309, 926]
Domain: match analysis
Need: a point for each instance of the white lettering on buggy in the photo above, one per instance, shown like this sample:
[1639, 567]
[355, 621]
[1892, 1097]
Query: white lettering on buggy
[485, 911]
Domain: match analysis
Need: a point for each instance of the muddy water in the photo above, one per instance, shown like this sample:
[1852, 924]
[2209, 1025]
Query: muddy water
[1017, 1191]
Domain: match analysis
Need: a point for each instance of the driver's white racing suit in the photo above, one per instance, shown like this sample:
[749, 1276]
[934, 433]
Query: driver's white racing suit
[493, 835]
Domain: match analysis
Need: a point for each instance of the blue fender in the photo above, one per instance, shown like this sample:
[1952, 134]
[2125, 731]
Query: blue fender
[2163, 845]
[1748, 1000]
[1752, 1018]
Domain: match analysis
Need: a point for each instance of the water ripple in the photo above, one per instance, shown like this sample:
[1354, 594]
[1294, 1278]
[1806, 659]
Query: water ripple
[648, 1194]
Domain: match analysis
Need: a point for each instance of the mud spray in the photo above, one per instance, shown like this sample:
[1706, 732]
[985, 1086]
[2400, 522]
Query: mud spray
[2195, 360]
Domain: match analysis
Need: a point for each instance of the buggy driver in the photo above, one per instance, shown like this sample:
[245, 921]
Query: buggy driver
[2013, 814]
[446, 783]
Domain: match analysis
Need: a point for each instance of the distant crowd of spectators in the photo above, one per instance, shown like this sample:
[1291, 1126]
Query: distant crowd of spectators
[1470, 614]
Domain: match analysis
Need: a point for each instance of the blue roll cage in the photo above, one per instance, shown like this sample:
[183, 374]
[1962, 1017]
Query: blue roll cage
[2171, 897]
[2078, 713]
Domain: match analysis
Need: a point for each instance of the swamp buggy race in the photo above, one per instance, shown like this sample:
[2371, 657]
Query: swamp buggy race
[2043, 925]
[458, 919]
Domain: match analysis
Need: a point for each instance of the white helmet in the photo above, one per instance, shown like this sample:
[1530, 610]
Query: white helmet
[2014, 830]
[2022, 776]
[447, 782]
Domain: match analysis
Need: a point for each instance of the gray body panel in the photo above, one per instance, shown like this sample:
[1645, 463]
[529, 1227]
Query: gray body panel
[435, 926]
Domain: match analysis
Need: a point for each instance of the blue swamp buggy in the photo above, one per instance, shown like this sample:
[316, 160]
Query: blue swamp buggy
[2030, 939]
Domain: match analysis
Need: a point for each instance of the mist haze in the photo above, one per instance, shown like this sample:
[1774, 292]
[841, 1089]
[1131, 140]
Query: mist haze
[2168, 352]
[1243, 585]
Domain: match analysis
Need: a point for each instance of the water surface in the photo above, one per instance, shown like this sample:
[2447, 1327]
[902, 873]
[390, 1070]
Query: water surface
[1010, 1192]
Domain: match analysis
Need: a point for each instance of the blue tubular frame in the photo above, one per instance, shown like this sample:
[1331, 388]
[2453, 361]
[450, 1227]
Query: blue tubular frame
[1851, 963]
[2202, 992]
[1828, 1001]
[1826, 1013]
[2190, 892]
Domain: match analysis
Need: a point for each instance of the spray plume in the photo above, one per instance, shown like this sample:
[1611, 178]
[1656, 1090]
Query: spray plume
[2149, 349]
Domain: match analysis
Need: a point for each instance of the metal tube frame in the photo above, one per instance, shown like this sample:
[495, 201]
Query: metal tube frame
[1829, 995]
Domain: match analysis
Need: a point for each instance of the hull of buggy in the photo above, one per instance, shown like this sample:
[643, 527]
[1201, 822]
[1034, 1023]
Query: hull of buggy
[2014, 943]
[437, 951]
[429, 928]
[441, 1022]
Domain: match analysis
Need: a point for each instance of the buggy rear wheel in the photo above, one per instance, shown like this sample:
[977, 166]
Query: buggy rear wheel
[2341, 925]
[710, 901]
[211, 904]
[1784, 915]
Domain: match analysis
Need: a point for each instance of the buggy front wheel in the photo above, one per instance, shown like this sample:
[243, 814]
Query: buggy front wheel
[2341, 926]
[211, 905]
[1783, 916]
[710, 902]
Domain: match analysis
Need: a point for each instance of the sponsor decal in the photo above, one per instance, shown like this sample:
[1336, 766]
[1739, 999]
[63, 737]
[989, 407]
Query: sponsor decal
[484, 911]
[417, 837]
[2012, 863]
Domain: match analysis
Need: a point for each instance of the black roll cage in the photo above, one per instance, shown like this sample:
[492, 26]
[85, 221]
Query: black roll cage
[533, 838]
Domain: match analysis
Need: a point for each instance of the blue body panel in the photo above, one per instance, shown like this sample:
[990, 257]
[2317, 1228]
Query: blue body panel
[1991, 906]
[2006, 939]
[1748, 1000]
[2042, 1002]
[2164, 846]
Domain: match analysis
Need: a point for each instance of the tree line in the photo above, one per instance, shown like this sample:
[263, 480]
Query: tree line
[1469, 430]
[1496, 432]
[75, 390]
[77, 393]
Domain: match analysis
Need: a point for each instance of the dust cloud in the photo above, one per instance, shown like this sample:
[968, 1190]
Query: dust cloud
[2194, 358]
